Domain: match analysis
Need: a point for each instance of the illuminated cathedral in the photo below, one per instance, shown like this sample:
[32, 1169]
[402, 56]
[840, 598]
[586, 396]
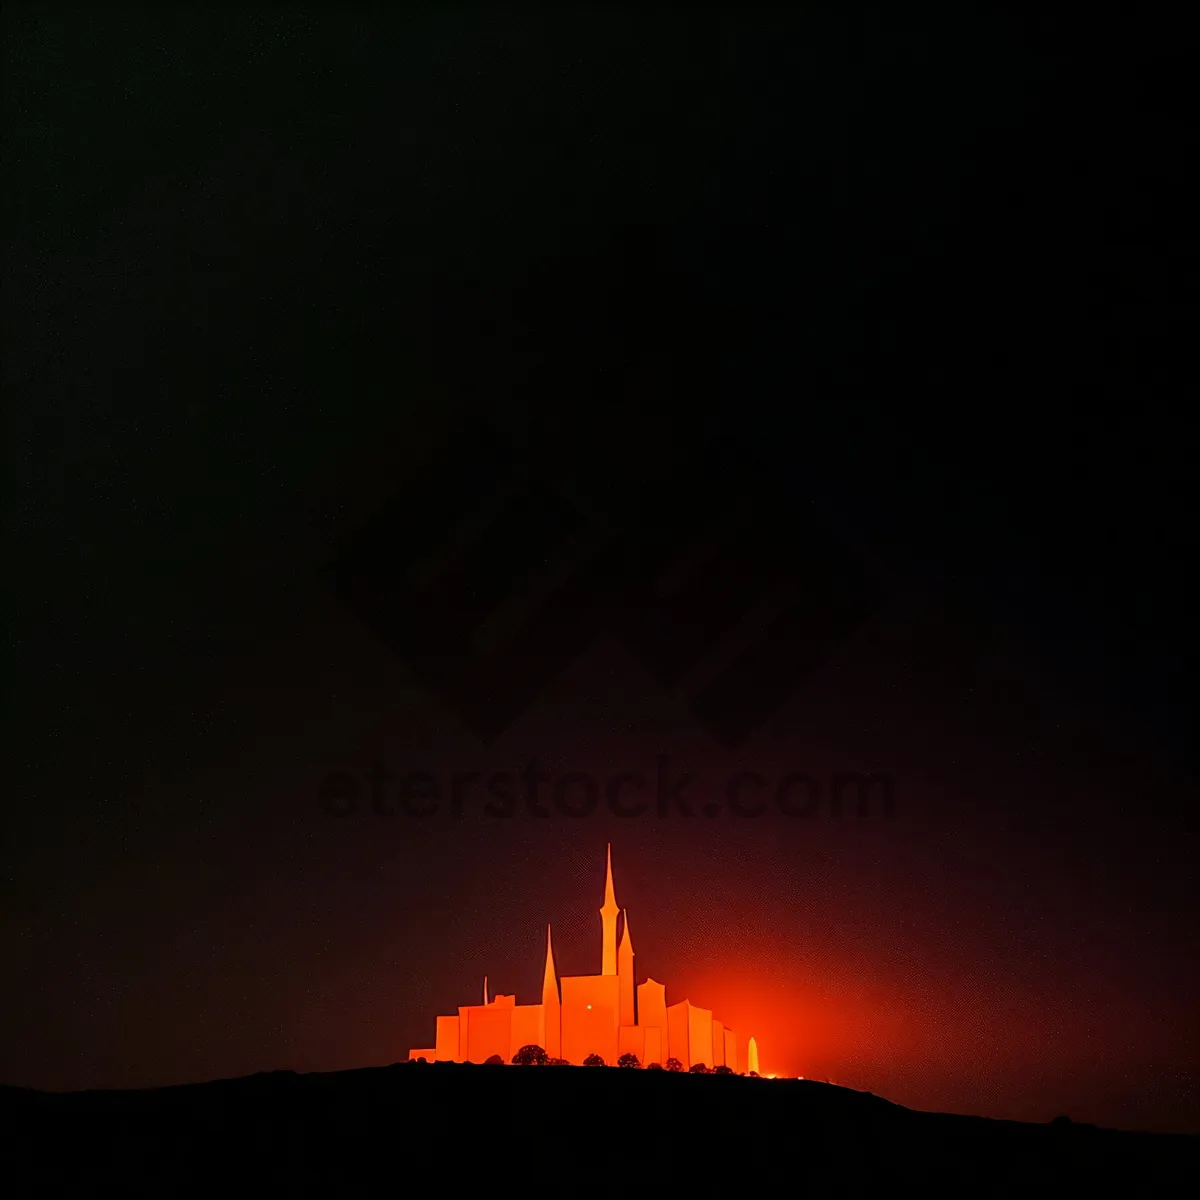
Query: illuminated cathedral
[610, 1015]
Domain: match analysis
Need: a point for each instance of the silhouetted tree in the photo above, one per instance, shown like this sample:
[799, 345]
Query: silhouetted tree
[557, 1062]
[593, 1060]
[654, 1066]
[699, 1069]
[673, 1064]
[723, 1070]
[755, 1075]
[494, 1061]
[628, 1060]
[531, 1056]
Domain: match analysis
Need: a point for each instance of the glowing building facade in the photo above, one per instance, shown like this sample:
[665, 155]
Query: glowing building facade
[609, 1014]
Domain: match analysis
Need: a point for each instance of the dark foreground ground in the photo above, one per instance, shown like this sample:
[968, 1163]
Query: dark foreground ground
[529, 1130]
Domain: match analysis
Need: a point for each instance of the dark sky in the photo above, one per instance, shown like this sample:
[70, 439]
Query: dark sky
[909, 289]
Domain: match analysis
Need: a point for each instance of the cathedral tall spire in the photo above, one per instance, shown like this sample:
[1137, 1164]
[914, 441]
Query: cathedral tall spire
[608, 924]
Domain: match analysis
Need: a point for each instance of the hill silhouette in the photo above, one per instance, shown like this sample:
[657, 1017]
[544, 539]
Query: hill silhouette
[447, 1124]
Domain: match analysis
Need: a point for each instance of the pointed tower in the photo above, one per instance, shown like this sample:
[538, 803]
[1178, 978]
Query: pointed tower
[551, 1005]
[625, 971]
[752, 1058]
[608, 923]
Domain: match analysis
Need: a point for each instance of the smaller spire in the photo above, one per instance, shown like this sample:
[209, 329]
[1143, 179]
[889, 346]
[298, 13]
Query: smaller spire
[626, 944]
[485, 996]
[550, 979]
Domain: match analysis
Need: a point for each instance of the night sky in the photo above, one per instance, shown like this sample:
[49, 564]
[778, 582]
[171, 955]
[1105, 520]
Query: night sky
[900, 298]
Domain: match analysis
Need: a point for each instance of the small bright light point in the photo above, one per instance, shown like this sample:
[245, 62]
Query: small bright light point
[589, 1006]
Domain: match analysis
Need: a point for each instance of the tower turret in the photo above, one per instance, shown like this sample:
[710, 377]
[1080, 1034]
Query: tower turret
[625, 972]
